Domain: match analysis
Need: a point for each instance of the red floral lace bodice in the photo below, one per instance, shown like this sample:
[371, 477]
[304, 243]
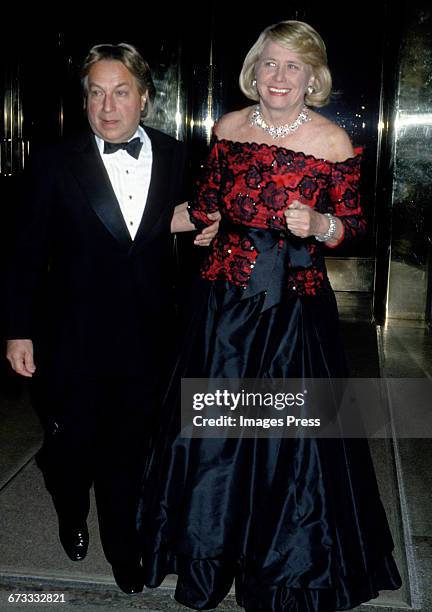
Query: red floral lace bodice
[251, 185]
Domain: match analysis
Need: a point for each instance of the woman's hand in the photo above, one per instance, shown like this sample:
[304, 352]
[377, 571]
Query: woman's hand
[181, 222]
[303, 221]
[205, 237]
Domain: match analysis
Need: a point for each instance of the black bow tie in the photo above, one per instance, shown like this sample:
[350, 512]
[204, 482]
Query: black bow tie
[133, 147]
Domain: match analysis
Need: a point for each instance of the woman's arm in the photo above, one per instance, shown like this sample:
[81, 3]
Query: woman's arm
[343, 192]
[181, 222]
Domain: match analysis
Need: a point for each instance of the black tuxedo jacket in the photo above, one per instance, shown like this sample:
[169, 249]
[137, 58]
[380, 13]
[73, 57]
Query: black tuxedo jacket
[106, 304]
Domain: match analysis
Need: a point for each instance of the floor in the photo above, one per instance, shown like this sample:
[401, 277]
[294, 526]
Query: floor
[32, 560]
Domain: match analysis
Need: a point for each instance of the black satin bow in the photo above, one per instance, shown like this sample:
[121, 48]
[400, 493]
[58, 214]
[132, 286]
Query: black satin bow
[270, 269]
[133, 147]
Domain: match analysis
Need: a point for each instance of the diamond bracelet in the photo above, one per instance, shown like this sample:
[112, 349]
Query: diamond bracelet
[331, 230]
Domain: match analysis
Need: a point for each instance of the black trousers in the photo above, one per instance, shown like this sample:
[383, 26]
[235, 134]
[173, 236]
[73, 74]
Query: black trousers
[97, 432]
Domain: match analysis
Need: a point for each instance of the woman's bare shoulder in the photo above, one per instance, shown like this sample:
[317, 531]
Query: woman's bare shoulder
[333, 138]
[231, 125]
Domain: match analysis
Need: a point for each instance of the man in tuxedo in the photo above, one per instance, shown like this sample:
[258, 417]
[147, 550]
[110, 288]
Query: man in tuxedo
[90, 312]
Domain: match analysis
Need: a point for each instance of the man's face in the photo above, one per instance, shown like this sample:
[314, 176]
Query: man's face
[114, 103]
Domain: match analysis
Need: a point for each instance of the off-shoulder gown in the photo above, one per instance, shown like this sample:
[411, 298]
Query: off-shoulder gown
[296, 524]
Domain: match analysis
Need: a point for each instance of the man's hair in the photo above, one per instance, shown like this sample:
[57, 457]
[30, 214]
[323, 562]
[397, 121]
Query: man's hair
[302, 39]
[132, 59]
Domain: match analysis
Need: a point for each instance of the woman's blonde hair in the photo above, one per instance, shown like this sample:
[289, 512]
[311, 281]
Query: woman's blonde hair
[303, 40]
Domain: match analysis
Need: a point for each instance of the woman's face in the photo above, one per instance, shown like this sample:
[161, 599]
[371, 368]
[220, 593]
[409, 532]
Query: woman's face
[281, 78]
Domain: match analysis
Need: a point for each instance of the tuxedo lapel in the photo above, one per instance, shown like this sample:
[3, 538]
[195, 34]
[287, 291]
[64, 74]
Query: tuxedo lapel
[158, 189]
[89, 170]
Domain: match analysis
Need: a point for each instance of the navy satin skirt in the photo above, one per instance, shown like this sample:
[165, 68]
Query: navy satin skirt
[297, 524]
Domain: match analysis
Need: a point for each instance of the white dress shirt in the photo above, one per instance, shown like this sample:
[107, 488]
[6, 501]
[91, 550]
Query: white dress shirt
[130, 178]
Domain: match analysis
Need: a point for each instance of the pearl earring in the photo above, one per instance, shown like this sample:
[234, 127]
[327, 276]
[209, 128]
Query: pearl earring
[309, 90]
[254, 83]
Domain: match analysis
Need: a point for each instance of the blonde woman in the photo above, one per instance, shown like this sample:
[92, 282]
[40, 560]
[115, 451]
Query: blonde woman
[297, 523]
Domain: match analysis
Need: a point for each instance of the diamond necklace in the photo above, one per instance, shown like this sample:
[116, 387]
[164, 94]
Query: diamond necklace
[281, 130]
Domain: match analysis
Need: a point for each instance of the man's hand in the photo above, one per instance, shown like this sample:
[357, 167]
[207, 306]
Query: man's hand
[19, 353]
[205, 237]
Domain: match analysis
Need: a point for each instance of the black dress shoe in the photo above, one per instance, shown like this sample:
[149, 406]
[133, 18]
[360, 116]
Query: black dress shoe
[129, 577]
[75, 541]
